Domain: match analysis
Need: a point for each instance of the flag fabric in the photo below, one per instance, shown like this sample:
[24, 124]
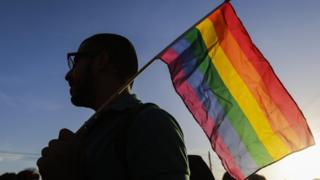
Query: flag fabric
[234, 94]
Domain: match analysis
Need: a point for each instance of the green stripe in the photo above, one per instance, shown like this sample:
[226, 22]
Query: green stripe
[233, 111]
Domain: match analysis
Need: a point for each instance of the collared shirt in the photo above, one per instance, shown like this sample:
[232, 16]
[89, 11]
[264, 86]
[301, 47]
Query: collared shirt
[154, 146]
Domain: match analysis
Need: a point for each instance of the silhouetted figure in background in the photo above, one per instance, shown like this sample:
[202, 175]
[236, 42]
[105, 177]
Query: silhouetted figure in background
[256, 177]
[28, 174]
[199, 169]
[227, 176]
[152, 147]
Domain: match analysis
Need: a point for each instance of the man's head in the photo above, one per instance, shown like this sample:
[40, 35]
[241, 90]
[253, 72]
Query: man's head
[101, 65]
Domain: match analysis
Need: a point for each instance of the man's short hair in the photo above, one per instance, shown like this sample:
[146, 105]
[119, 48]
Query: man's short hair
[121, 53]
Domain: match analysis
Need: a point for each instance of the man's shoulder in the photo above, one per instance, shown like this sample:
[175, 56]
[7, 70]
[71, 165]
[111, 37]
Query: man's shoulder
[151, 116]
[155, 145]
[151, 109]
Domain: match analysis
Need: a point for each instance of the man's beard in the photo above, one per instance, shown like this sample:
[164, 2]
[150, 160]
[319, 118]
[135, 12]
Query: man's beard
[83, 93]
[82, 99]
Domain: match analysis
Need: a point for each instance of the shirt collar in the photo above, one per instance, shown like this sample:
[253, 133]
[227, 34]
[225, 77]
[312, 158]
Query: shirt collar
[125, 102]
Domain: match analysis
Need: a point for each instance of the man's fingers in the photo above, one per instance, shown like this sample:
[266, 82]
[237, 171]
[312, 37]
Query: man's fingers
[53, 143]
[45, 152]
[44, 166]
[42, 163]
[56, 148]
[66, 134]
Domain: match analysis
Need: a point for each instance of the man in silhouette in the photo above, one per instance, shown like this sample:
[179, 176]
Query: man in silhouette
[127, 140]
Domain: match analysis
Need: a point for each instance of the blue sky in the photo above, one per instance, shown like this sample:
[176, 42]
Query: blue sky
[36, 35]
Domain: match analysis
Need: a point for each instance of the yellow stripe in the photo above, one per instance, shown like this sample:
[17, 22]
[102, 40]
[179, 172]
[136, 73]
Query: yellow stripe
[254, 82]
[241, 93]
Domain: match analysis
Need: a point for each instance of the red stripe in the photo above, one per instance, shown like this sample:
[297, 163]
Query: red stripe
[168, 56]
[277, 91]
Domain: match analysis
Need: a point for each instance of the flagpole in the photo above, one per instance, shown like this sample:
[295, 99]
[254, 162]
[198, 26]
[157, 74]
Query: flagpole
[210, 163]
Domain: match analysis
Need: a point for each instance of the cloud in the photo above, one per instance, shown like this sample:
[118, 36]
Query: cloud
[16, 157]
[16, 162]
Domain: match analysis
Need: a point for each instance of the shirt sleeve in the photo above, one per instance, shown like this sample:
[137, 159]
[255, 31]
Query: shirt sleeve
[155, 147]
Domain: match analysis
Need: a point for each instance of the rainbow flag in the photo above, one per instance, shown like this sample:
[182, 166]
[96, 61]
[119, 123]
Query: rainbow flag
[234, 94]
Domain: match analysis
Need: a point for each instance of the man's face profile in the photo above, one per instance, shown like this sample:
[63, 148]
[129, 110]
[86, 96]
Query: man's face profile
[80, 78]
[102, 64]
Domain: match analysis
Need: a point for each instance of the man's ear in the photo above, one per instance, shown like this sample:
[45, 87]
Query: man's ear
[103, 61]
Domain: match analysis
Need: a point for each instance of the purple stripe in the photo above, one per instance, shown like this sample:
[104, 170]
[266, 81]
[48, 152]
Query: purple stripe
[224, 129]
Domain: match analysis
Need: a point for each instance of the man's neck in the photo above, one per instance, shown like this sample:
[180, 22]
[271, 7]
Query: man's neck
[108, 100]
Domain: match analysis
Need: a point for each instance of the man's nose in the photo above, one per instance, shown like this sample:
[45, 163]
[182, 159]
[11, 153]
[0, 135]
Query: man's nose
[68, 75]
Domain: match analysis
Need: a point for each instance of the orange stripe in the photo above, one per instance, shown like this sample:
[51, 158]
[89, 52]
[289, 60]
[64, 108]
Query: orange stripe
[240, 92]
[249, 75]
[277, 91]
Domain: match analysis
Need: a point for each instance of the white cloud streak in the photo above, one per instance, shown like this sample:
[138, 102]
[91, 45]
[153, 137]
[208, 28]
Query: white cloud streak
[12, 157]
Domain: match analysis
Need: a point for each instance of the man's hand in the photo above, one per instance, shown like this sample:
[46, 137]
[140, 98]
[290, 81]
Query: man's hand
[63, 158]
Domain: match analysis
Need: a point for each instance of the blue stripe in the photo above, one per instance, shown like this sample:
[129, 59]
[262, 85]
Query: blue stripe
[225, 130]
